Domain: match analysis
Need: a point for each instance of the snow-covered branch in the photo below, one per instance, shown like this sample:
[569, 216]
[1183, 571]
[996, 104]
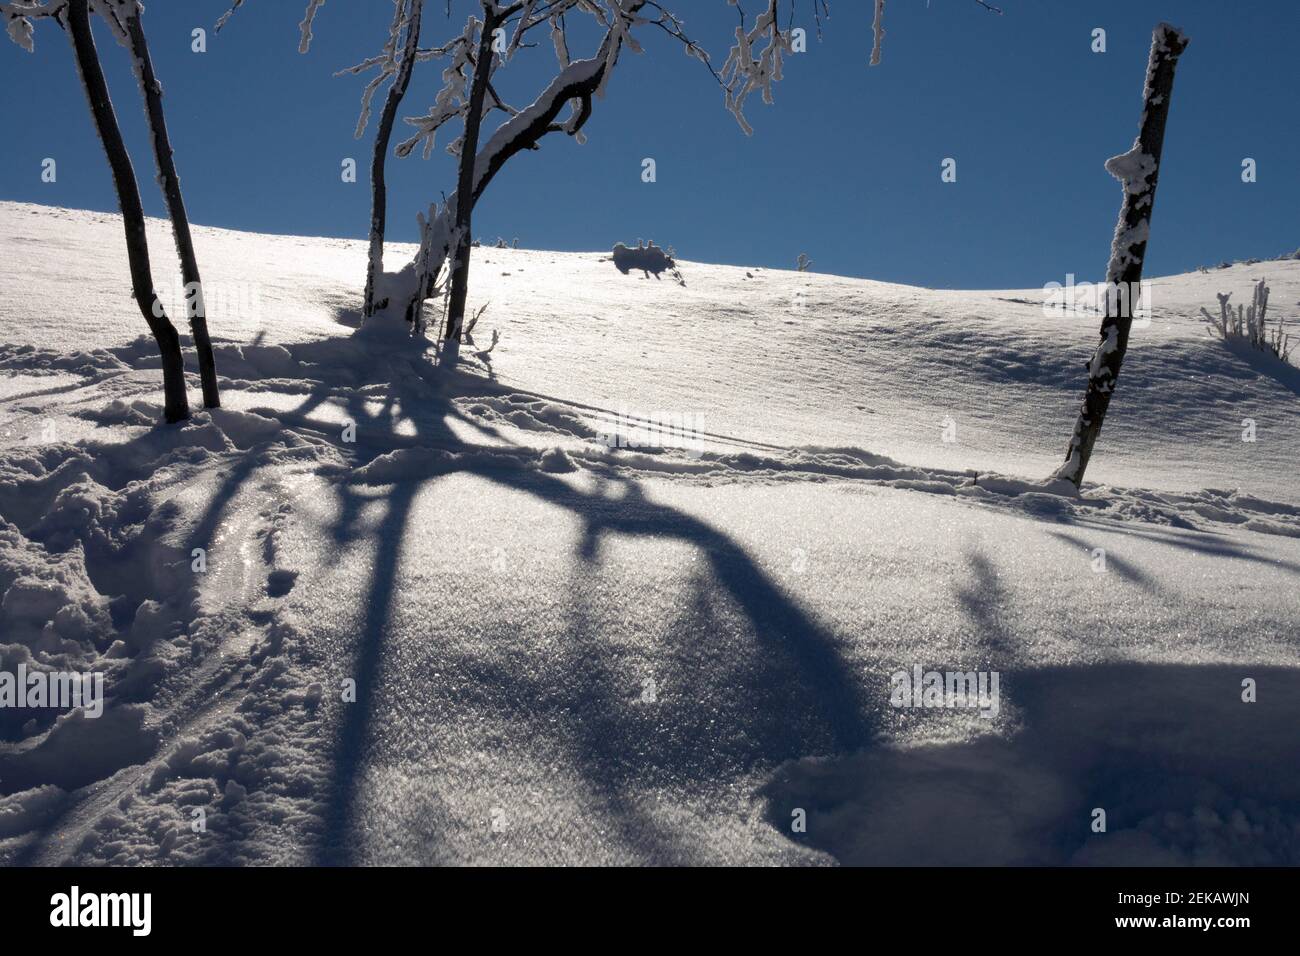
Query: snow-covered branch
[877, 32]
[19, 14]
[748, 67]
[453, 98]
[395, 53]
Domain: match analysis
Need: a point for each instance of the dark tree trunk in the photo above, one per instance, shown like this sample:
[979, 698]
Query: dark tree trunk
[1138, 170]
[462, 236]
[151, 90]
[378, 186]
[176, 407]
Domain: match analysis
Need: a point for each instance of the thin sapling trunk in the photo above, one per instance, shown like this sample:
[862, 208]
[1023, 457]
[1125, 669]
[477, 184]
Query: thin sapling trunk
[151, 90]
[378, 183]
[462, 236]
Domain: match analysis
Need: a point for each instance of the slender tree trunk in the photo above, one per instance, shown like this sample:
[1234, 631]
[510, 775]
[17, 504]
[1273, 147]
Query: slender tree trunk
[176, 407]
[1138, 170]
[378, 186]
[462, 236]
[151, 90]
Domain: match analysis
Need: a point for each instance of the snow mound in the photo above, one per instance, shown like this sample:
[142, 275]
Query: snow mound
[557, 461]
[139, 413]
[29, 809]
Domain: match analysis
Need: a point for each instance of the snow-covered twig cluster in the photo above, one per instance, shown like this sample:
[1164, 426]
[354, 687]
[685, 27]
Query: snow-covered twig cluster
[1249, 323]
[395, 52]
[453, 98]
[19, 14]
[755, 61]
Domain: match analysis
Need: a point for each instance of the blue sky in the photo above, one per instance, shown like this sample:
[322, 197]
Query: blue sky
[844, 167]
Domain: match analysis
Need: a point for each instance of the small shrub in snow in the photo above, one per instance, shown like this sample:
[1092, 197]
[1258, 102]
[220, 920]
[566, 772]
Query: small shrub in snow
[1250, 323]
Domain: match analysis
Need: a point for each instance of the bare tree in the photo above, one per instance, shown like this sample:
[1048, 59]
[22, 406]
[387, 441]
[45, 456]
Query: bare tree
[123, 18]
[754, 64]
[1137, 170]
[74, 16]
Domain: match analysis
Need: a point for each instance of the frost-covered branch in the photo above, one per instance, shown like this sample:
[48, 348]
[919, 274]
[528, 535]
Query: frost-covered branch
[304, 28]
[308, 20]
[675, 28]
[225, 17]
[453, 98]
[395, 61]
[877, 32]
[19, 14]
[878, 27]
[748, 69]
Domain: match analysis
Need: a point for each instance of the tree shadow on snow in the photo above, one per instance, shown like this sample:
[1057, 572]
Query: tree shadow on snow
[1159, 747]
[805, 699]
[1267, 364]
[1201, 542]
[1186, 772]
[1166, 750]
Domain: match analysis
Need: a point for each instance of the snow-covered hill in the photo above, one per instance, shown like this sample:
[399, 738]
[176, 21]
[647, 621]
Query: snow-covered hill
[556, 652]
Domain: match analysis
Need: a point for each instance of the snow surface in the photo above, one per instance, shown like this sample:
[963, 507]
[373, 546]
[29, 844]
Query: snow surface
[566, 653]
